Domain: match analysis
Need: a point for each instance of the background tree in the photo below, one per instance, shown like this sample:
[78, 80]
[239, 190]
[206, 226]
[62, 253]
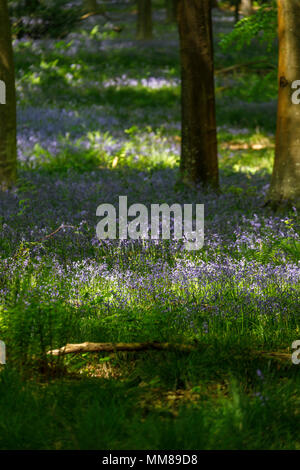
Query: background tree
[236, 4]
[144, 19]
[285, 184]
[242, 6]
[8, 148]
[199, 160]
[170, 10]
[246, 7]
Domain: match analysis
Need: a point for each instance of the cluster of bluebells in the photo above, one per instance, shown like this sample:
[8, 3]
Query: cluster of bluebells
[115, 278]
[249, 260]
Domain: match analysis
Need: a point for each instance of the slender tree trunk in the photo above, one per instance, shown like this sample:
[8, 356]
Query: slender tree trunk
[285, 184]
[144, 20]
[236, 10]
[199, 160]
[170, 11]
[8, 148]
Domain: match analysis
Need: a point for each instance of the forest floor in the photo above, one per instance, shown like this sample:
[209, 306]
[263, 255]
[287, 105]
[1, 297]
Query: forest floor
[99, 117]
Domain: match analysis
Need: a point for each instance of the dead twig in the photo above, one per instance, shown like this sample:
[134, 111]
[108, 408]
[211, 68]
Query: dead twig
[56, 231]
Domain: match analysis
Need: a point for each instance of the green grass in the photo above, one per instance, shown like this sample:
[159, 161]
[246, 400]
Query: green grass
[193, 402]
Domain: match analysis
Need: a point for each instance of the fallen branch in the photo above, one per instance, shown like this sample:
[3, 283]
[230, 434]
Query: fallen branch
[246, 146]
[113, 347]
[87, 15]
[56, 231]
[97, 12]
[275, 355]
[231, 68]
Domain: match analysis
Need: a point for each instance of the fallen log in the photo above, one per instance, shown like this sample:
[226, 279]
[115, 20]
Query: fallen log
[152, 345]
[113, 347]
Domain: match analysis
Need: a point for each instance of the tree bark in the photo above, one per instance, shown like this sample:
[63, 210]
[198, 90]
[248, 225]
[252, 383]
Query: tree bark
[8, 147]
[285, 183]
[144, 20]
[214, 4]
[199, 158]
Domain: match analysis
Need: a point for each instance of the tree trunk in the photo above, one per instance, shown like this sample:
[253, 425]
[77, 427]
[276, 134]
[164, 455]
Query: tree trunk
[285, 184]
[214, 4]
[170, 11]
[144, 20]
[237, 10]
[199, 159]
[246, 7]
[8, 147]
